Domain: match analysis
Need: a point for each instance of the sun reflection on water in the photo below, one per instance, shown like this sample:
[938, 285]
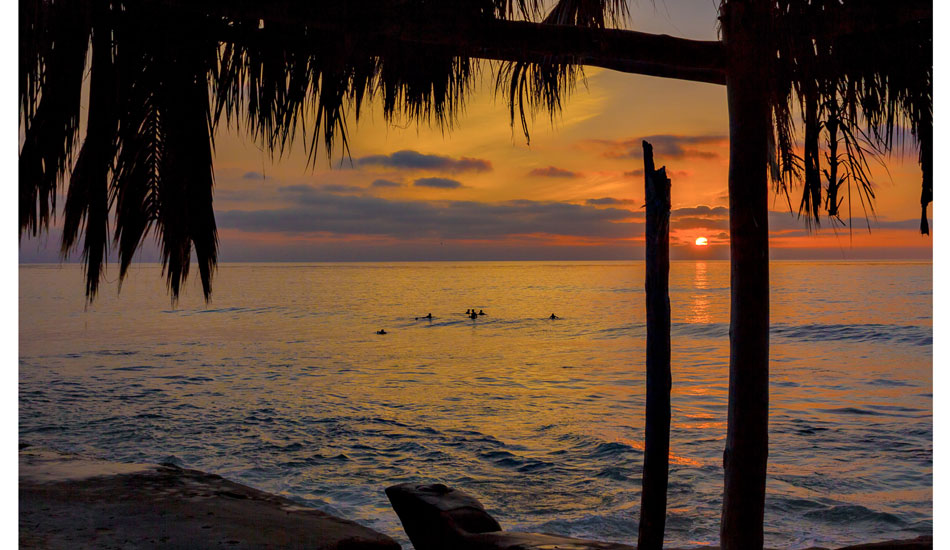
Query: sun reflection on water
[698, 311]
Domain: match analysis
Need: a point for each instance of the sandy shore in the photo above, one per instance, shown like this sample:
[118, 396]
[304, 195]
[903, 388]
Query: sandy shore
[71, 502]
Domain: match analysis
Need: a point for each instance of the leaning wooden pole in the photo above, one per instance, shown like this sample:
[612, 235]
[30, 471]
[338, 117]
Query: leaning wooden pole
[744, 24]
[656, 456]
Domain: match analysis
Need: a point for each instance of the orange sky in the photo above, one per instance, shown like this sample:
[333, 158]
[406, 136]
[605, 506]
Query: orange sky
[480, 191]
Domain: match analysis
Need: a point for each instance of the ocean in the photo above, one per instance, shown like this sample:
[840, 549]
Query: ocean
[282, 383]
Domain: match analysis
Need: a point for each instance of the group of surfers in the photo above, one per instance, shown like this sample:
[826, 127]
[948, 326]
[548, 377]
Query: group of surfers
[470, 312]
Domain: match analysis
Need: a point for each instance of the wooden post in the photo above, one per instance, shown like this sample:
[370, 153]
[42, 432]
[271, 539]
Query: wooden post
[744, 26]
[656, 456]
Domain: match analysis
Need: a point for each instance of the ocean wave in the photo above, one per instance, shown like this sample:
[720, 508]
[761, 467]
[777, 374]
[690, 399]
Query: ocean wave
[851, 513]
[817, 332]
[904, 334]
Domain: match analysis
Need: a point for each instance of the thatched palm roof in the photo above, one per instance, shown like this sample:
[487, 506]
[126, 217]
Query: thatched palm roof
[860, 71]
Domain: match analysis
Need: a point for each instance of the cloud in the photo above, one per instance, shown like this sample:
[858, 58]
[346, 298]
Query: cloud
[337, 188]
[553, 172]
[788, 224]
[682, 218]
[638, 173]
[413, 160]
[701, 210]
[302, 189]
[252, 176]
[242, 195]
[700, 217]
[299, 188]
[314, 210]
[699, 223]
[385, 183]
[787, 221]
[318, 212]
[438, 183]
[609, 201]
[665, 147]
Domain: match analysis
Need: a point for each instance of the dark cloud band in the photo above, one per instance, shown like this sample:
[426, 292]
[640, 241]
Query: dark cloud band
[318, 212]
[438, 183]
[414, 160]
[665, 146]
[553, 172]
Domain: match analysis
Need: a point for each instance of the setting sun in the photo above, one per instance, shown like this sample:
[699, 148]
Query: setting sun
[702, 241]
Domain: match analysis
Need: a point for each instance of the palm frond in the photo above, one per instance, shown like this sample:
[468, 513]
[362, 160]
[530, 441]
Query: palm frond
[185, 213]
[532, 87]
[53, 84]
[87, 201]
[588, 13]
[163, 178]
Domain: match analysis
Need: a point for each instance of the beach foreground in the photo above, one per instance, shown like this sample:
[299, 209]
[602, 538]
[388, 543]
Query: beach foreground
[69, 501]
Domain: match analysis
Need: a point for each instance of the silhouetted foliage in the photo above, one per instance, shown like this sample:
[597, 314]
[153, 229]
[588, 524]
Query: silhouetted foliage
[146, 157]
[860, 73]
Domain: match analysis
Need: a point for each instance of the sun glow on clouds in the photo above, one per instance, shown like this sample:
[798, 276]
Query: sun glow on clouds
[579, 180]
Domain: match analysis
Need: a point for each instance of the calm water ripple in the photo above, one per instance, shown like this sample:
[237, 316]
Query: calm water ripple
[282, 383]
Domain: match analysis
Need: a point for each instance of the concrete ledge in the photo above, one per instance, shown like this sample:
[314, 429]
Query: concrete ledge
[70, 502]
[436, 517]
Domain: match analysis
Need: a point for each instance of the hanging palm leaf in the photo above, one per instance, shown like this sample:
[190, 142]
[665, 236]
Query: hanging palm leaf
[52, 82]
[87, 202]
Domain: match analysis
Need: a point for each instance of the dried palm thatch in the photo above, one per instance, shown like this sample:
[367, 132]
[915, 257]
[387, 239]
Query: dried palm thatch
[166, 73]
[542, 85]
[860, 73]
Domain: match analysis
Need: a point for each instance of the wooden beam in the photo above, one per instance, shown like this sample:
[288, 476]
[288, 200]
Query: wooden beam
[745, 457]
[483, 38]
[376, 24]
